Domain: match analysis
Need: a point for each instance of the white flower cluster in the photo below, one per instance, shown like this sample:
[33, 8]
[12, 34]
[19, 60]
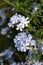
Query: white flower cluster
[35, 62]
[28, 63]
[19, 20]
[23, 41]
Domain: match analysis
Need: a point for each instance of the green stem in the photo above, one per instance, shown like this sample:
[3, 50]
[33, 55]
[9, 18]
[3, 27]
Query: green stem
[6, 1]
[39, 16]
[26, 10]
[34, 15]
[15, 5]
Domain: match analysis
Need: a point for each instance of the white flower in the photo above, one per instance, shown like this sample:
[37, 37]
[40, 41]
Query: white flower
[33, 43]
[8, 53]
[3, 16]
[35, 8]
[20, 26]
[22, 41]
[41, 48]
[14, 63]
[4, 30]
[1, 62]
[2, 54]
[19, 20]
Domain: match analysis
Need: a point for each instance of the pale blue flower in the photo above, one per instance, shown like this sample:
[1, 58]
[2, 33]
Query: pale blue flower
[22, 41]
[19, 20]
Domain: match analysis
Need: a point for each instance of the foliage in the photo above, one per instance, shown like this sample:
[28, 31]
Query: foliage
[25, 7]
